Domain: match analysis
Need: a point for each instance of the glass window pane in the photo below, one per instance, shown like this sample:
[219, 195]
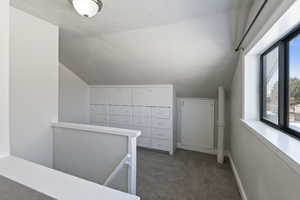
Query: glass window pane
[294, 84]
[270, 86]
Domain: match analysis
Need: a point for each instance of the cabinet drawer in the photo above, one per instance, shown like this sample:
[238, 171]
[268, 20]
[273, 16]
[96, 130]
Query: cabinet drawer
[99, 109]
[161, 123]
[95, 117]
[161, 133]
[159, 112]
[120, 110]
[161, 144]
[120, 119]
[146, 132]
[141, 121]
[144, 142]
[142, 111]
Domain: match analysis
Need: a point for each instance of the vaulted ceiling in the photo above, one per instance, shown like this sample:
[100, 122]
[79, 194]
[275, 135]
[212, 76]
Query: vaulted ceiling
[188, 43]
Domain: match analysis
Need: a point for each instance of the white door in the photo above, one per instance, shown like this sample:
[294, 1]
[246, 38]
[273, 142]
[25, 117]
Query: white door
[196, 124]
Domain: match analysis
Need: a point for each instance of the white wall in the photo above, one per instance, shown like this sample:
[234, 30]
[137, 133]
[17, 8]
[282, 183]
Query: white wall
[264, 175]
[73, 97]
[4, 77]
[34, 87]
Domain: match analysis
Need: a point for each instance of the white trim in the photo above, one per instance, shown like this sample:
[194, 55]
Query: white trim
[198, 149]
[201, 149]
[237, 178]
[212, 101]
[133, 86]
[283, 145]
[97, 129]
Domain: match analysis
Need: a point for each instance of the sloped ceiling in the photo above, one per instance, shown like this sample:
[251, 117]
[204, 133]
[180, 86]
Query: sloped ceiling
[185, 42]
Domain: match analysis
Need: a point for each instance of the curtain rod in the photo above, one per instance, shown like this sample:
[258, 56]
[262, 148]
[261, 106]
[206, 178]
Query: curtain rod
[251, 24]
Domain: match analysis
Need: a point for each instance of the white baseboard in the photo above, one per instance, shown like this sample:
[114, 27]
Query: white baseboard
[237, 178]
[201, 149]
[198, 149]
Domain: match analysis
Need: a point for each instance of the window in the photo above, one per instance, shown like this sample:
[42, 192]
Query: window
[270, 86]
[280, 84]
[294, 83]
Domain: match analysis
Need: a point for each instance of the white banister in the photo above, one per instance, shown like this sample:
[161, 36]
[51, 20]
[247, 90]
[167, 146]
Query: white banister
[124, 161]
[56, 184]
[129, 159]
[132, 166]
[97, 129]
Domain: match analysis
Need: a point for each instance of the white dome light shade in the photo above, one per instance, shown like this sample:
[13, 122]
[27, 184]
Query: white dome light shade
[87, 8]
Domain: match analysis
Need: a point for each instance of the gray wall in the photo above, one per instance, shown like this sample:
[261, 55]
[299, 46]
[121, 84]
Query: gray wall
[73, 97]
[4, 77]
[33, 86]
[264, 175]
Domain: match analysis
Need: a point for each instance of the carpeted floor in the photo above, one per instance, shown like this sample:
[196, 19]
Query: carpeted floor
[11, 190]
[185, 176]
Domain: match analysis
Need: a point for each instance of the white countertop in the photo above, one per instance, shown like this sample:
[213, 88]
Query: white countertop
[56, 184]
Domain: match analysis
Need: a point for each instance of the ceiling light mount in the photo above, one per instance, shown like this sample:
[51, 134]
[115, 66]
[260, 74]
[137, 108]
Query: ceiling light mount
[87, 8]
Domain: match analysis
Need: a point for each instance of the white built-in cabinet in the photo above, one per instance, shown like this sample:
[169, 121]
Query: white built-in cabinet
[195, 121]
[149, 108]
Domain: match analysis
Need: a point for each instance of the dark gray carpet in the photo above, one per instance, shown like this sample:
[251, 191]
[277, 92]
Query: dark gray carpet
[185, 176]
[10, 190]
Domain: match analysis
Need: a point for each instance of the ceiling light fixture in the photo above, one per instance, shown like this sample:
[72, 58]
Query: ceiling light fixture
[87, 8]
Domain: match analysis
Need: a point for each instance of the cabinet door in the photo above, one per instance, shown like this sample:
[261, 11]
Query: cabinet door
[99, 95]
[152, 96]
[161, 144]
[197, 123]
[146, 132]
[161, 133]
[162, 97]
[161, 123]
[142, 121]
[142, 96]
[144, 142]
[119, 96]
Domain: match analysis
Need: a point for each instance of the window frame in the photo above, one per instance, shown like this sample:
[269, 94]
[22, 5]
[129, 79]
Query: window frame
[283, 83]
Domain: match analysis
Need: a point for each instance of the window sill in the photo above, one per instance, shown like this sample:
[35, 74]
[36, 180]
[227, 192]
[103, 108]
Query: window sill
[285, 146]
